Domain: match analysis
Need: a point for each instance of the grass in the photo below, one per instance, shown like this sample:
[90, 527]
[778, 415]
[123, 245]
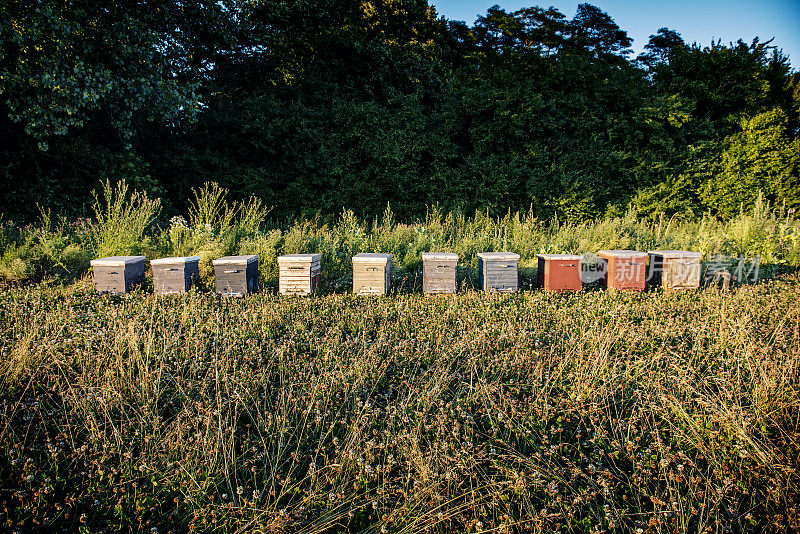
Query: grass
[590, 412]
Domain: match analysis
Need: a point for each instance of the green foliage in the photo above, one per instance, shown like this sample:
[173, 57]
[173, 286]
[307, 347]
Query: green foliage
[216, 227]
[759, 158]
[350, 105]
[122, 220]
[49, 248]
[219, 227]
[66, 65]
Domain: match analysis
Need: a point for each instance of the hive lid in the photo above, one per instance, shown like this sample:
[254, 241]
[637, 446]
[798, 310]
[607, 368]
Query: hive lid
[675, 253]
[621, 253]
[116, 261]
[236, 260]
[439, 256]
[371, 257]
[559, 256]
[298, 258]
[175, 259]
[502, 256]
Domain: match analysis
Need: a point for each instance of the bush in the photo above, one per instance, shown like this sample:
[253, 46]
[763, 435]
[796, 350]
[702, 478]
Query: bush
[122, 220]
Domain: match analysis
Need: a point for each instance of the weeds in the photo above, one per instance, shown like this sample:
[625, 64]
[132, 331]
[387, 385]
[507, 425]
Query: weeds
[121, 220]
[217, 226]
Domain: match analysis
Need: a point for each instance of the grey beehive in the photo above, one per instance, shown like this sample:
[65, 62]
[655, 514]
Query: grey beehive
[299, 274]
[118, 274]
[675, 269]
[236, 276]
[439, 272]
[175, 275]
[372, 273]
[498, 271]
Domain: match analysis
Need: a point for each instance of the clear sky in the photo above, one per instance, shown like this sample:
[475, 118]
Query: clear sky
[697, 21]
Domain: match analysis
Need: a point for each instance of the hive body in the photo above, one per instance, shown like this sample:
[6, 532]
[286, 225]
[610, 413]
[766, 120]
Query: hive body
[372, 273]
[439, 272]
[299, 274]
[118, 274]
[559, 272]
[236, 276]
[624, 269]
[675, 269]
[498, 271]
[174, 275]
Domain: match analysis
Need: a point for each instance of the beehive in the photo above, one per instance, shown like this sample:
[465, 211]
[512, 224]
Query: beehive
[498, 271]
[559, 272]
[439, 272]
[174, 275]
[236, 276]
[118, 274]
[675, 269]
[624, 269]
[299, 274]
[372, 273]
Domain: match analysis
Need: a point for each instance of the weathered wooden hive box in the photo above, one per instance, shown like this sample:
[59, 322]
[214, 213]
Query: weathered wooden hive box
[439, 272]
[559, 272]
[372, 273]
[299, 274]
[236, 276]
[675, 269]
[175, 275]
[624, 269]
[118, 274]
[498, 271]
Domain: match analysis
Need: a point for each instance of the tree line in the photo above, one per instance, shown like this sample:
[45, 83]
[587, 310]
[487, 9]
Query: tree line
[319, 106]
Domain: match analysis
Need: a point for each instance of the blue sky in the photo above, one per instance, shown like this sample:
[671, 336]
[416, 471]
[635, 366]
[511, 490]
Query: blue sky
[697, 21]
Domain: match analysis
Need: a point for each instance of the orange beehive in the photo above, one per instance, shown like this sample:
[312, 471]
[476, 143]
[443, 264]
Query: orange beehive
[624, 269]
[559, 272]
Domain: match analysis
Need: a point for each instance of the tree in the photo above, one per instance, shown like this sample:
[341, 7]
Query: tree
[661, 47]
[65, 64]
[594, 30]
[759, 158]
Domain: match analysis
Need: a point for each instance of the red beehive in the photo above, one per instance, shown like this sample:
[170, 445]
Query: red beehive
[624, 269]
[559, 272]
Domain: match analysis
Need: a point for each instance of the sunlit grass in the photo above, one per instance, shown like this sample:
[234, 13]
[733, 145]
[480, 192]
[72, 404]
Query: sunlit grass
[597, 411]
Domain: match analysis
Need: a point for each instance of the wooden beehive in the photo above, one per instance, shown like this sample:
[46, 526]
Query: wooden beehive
[118, 274]
[372, 273]
[175, 275]
[559, 272]
[498, 271]
[439, 272]
[299, 274]
[236, 276]
[624, 269]
[675, 269]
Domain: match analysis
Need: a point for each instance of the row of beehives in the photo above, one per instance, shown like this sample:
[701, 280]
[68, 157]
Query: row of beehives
[300, 274]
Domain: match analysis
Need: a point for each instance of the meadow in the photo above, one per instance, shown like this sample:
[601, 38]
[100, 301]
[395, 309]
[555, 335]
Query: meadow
[591, 412]
[598, 411]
